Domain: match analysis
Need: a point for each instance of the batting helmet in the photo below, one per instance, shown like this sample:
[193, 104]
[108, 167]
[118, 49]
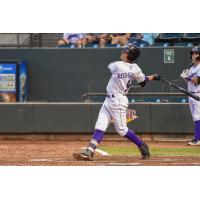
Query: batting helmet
[195, 50]
[133, 52]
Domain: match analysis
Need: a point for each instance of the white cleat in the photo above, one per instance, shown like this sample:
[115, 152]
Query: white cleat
[194, 143]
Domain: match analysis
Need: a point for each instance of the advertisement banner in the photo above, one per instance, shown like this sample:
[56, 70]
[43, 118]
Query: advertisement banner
[13, 81]
[8, 77]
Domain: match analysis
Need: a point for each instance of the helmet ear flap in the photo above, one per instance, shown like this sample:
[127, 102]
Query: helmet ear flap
[129, 57]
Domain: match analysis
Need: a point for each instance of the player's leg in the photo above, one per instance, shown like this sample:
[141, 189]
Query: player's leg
[120, 123]
[102, 123]
[195, 110]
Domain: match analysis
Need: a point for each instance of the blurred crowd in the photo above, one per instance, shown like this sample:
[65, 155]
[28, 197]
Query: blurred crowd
[104, 39]
[121, 39]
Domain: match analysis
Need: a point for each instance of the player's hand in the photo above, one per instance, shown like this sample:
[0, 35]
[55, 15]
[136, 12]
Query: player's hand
[184, 73]
[156, 77]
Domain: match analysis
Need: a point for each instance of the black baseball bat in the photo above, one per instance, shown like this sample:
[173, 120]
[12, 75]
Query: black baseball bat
[181, 89]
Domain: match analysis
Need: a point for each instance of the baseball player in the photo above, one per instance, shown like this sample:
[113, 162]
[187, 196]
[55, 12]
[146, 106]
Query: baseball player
[192, 77]
[116, 103]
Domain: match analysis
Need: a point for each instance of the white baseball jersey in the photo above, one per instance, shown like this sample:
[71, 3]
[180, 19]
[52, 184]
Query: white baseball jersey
[192, 87]
[122, 75]
[115, 106]
[194, 72]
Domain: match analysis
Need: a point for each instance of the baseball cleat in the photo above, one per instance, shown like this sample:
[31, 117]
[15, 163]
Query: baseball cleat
[194, 143]
[85, 155]
[144, 149]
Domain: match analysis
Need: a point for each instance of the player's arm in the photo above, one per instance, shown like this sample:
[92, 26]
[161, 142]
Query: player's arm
[154, 77]
[149, 78]
[192, 78]
[195, 80]
[113, 67]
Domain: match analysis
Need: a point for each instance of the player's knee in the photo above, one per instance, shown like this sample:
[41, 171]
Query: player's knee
[101, 127]
[122, 131]
[196, 118]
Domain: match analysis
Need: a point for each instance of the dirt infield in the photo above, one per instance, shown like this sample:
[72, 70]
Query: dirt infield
[59, 153]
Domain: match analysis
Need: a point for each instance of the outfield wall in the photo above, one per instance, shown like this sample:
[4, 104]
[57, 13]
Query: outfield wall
[63, 75]
[81, 118]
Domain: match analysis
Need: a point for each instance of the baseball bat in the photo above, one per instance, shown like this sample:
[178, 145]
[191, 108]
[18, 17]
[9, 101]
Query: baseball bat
[181, 89]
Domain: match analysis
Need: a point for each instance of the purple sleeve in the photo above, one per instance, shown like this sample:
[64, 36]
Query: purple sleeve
[189, 78]
[146, 79]
[143, 83]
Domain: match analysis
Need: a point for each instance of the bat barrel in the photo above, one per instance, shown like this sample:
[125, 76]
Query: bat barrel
[186, 92]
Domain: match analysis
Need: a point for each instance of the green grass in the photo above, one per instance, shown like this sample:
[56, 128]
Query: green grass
[119, 151]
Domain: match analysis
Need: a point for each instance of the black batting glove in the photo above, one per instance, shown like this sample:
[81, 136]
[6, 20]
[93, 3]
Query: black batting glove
[156, 77]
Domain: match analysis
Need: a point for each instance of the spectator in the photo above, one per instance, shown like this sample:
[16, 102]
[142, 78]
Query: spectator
[100, 39]
[120, 38]
[103, 39]
[72, 38]
[6, 97]
[150, 37]
[143, 39]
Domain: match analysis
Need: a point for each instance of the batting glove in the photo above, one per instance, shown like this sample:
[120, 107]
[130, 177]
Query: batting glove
[156, 77]
[184, 73]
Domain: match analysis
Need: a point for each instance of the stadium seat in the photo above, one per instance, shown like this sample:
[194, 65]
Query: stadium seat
[138, 42]
[144, 44]
[183, 44]
[191, 37]
[113, 45]
[161, 44]
[168, 37]
[65, 46]
[93, 45]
